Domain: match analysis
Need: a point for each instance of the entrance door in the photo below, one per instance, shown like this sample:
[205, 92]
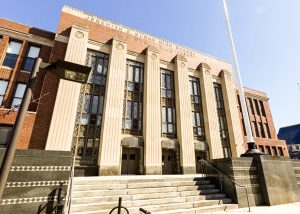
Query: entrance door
[199, 155]
[129, 161]
[168, 159]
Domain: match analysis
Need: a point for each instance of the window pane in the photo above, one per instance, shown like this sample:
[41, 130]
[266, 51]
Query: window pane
[95, 104]
[195, 88]
[164, 128]
[169, 93]
[87, 103]
[191, 88]
[33, 52]
[163, 93]
[14, 48]
[128, 124]
[10, 60]
[3, 86]
[163, 83]
[194, 118]
[129, 103]
[16, 102]
[170, 115]
[99, 120]
[130, 73]
[101, 104]
[105, 66]
[135, 110]
[130, 86]
[84, 120]
[198, 119]
[163, 114]
[137, 74]
[20, 90]
[28, 64]
[168, 81]
[100, 66]
[170, 128]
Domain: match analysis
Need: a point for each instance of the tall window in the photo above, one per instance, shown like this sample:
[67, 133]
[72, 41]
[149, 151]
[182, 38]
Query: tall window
[19, 95]
[5, 132]
[12, 54]
[3, 87]
[280, 151]
[268, 130]
[167, 93]
[256, 107]
[250, 105]
[268, 150]
[197, 113]
[261, 148]
[263, 112]
[275, 153]
[262, 130]
[133, 103]
[33, 53]
[90, 110]
[256, 133]
[222, 120]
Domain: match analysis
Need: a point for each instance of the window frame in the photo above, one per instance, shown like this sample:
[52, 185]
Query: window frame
[27, 57]
[12, 54]
[18, 98]
[3, 95]
[8, 136]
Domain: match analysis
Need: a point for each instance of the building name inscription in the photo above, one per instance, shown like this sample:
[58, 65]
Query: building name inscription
[187, 52]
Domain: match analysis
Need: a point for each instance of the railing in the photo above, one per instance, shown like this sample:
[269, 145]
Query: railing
[69, 192]
[120, 207]
[205, 163]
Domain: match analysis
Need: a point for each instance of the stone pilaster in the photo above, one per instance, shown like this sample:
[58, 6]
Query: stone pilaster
[110, 141]
[184, 122]
[151, 128]
[232, 114]
[64, 113]
[211, 123]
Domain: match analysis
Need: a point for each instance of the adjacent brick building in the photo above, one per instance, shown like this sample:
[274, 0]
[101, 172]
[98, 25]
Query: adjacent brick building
[150, 106]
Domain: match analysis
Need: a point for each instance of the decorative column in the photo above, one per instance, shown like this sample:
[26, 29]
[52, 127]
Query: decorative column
[184, 121]
[64, 114]
[232, 115]
[211, 123]
[151, 128]
[109, 159]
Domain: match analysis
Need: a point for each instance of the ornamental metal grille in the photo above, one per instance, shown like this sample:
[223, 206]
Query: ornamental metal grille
[222, 120]
[133, 99]
[197, 112]
[90, 110]
[167, 102]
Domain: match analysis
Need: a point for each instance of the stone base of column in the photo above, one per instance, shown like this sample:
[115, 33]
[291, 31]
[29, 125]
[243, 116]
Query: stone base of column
[188, 169]
[109, 170]
[153, 170]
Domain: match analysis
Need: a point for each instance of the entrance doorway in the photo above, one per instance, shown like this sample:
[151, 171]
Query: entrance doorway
[130, 161]
[198, 156]
[168, 161]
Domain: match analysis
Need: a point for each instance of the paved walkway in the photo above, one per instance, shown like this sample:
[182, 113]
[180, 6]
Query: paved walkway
[293, 208]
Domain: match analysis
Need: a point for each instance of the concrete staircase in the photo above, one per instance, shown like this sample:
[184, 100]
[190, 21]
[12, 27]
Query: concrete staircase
[296, 166]
[185, 194]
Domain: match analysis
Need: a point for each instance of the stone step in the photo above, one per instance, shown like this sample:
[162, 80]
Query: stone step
[159, 196]
[199, 192]
[135, 179]
[199, 187]
[199, 210]
[151, 204]
[100, 186]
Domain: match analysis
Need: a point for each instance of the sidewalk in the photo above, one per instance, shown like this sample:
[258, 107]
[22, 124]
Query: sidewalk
[293, 208]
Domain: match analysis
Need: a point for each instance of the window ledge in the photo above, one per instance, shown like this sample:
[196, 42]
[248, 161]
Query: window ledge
[6, 67]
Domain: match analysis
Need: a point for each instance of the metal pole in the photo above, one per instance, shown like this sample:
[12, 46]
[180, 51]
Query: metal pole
[252, 149]
[11, 147]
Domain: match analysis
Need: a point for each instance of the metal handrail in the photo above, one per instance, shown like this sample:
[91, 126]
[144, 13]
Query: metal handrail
[119, 207]
[231, 179]
[69, 199]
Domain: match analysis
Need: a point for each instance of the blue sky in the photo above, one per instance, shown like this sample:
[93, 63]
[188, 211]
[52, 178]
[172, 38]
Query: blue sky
[266, 33]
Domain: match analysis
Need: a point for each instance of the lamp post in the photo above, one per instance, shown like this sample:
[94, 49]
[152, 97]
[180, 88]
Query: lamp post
[65, 70]
[11, 147]
[252, 148]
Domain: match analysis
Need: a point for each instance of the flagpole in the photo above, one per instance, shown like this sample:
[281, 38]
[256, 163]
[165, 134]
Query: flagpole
[252, 148]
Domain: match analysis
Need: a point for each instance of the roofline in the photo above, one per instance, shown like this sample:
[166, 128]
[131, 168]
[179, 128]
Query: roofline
[298, 124]
[98, 17]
